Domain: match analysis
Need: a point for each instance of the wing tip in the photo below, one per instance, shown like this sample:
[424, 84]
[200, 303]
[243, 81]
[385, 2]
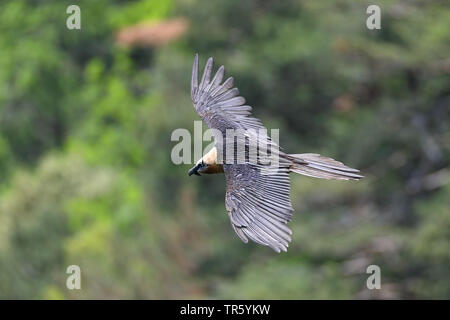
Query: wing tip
[196, 59]
[209, 66]
[194, 77]
[280, 248]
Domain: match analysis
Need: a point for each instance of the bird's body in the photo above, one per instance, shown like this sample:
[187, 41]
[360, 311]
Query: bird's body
[257, 193]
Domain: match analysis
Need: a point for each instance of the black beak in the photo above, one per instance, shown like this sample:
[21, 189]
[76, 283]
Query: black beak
[194, 170]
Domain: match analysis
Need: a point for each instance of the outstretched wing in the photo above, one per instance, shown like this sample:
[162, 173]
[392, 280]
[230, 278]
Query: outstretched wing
[259, 205]
[218, 103]
[257, 202]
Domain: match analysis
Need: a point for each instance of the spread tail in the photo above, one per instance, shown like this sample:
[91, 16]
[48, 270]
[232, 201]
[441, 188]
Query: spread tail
[317, 166]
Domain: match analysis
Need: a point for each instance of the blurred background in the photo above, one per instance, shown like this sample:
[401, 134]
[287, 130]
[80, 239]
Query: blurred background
[86, 177]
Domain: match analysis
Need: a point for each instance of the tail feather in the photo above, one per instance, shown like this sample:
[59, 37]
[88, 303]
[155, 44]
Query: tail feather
[317, 166]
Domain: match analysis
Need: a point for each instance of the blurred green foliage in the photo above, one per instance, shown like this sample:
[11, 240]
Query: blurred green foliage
[86, 175]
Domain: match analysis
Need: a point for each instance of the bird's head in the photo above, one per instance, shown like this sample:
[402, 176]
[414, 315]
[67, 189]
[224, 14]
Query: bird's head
[199, 167]
[207, 164]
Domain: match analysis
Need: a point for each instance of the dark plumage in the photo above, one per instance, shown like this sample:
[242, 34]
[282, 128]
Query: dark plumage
[257, 194]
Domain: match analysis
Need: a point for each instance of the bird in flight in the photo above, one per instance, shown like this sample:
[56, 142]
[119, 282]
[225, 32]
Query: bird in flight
[257, 191]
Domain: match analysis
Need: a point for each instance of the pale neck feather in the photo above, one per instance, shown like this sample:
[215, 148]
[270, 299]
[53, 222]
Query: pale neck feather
[211, 157]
